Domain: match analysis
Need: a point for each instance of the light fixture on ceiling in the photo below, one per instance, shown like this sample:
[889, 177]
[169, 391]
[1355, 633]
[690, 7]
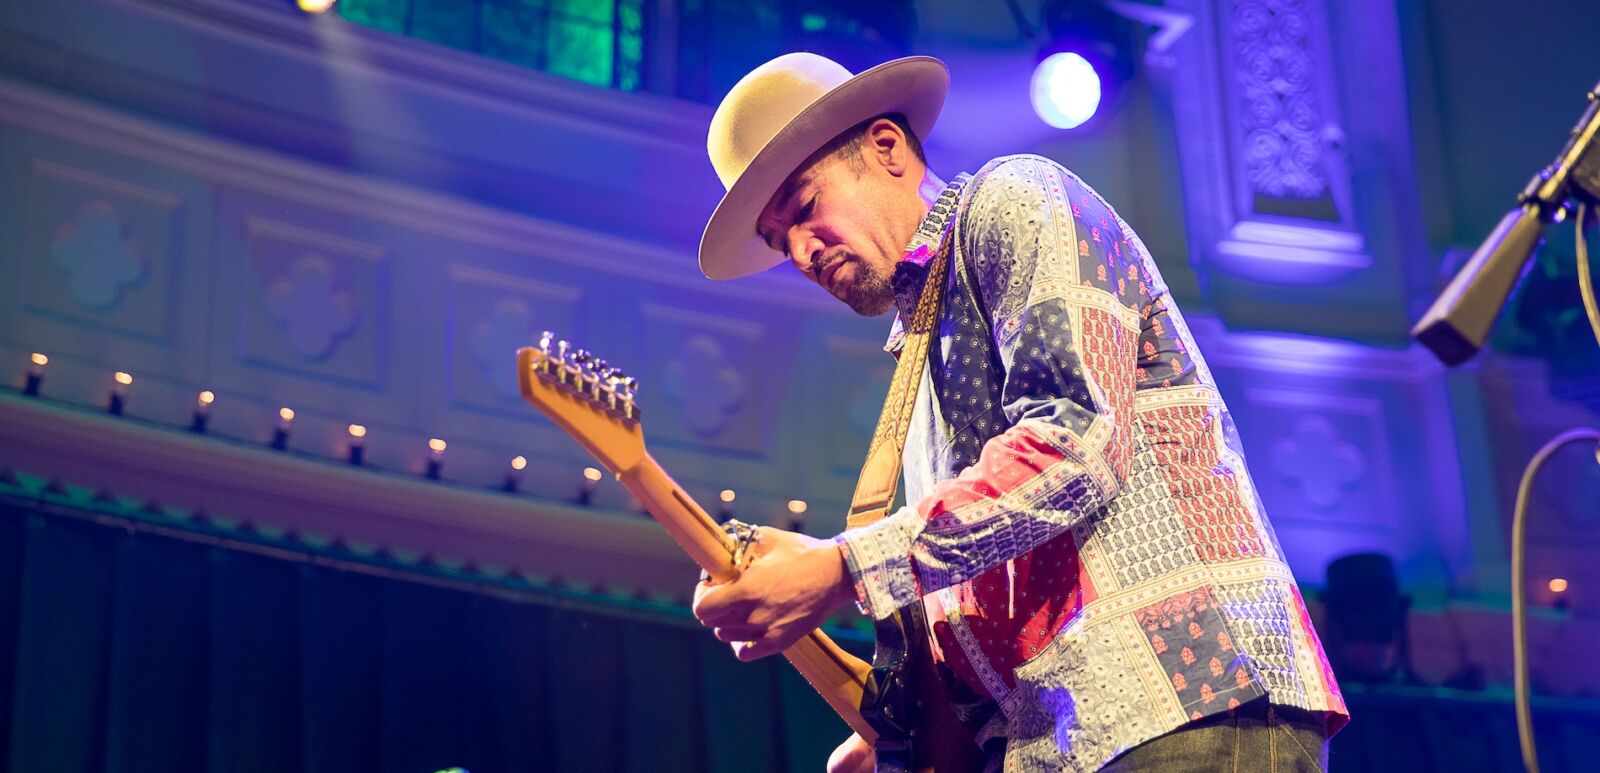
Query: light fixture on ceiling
[1086, 59]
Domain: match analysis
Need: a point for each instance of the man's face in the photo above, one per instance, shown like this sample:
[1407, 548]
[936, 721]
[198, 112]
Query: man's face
[834, 219]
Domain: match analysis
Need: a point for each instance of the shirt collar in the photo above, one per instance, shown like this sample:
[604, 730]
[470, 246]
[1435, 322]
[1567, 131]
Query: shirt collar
[911, 271]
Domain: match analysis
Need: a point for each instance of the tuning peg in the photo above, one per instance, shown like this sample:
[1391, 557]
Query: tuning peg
[608, 379]
[545, 339]
[563, 351]
[628, 387]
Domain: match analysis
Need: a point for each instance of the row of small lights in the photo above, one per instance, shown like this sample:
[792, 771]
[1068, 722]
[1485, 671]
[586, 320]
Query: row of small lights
[122, 380]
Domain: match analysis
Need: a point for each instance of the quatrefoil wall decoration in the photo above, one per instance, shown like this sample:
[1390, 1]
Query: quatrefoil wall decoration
[1318, 462]
[98, 254]
[707, 390]
[310, 306]
[495, 338]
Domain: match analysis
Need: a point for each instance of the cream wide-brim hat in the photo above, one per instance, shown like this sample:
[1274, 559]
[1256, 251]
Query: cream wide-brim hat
[780, 114]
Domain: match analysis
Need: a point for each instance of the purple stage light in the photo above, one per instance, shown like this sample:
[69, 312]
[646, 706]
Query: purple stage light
[1066, 90]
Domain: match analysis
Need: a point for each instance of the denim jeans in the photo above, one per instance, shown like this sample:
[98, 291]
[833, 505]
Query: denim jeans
[1254, 737]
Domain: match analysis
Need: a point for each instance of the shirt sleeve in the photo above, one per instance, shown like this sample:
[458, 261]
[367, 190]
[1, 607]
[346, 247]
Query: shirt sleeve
[1061, 283]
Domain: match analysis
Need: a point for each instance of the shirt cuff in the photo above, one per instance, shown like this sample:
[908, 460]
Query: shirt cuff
[879, 559]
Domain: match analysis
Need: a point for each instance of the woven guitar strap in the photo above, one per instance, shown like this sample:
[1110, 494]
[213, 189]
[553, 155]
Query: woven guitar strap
[880, 475]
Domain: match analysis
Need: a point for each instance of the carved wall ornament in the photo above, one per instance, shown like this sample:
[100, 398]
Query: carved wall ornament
[495, 340]
[99, 255]
[308, 303]
[706, 388]
[1317, 461]
[1282, 120]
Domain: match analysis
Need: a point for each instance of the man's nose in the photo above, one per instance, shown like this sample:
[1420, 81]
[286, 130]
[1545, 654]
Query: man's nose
[804, 250]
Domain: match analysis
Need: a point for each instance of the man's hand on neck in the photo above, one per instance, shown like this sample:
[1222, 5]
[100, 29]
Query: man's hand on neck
[792, 585]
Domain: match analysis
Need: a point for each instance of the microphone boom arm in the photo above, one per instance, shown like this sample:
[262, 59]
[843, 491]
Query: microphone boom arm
[1458, 322]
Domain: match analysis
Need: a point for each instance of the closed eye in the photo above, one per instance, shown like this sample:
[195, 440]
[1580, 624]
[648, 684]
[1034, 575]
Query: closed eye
[800, 217]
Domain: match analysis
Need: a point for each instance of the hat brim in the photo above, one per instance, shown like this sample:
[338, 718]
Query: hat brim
[914, 86]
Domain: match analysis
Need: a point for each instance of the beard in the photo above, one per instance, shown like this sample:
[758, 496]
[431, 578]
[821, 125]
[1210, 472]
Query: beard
[871, 293]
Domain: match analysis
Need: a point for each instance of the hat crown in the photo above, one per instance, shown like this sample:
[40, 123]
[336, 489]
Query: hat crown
[762, 103]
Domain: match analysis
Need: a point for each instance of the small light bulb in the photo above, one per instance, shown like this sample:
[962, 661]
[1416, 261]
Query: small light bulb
[35, 375]
[797, 506]
[315, 6]
[436, 448]
[1558, 585]
[119, 392]
[519, 462]
[287, 414]
[202, 410]
[727, 495]
[358, 431]
[592, 474]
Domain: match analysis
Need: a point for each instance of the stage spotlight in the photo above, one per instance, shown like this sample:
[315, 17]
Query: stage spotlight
[1065, 90]
[315, 6]
[1083, 66]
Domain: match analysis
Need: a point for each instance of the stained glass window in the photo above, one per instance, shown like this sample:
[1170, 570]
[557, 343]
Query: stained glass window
[599, 42]
[712, 43]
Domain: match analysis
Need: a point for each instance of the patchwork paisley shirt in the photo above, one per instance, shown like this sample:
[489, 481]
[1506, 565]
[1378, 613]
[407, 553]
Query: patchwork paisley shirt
[1091, 554]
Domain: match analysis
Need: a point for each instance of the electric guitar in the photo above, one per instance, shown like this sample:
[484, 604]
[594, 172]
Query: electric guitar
[595, 404]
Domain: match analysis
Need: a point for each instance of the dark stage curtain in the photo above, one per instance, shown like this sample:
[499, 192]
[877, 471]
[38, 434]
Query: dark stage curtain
[128, 651]
[123, 650]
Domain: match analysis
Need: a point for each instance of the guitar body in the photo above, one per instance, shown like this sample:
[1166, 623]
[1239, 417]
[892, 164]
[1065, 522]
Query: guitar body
[905, 701]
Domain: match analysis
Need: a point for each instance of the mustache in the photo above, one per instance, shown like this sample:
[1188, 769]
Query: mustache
[826, 259]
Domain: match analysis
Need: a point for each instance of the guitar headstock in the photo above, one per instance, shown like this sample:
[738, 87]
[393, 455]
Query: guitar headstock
[594, 402]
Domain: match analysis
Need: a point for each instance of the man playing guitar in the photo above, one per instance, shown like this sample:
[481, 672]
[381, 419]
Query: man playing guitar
[1083, 574]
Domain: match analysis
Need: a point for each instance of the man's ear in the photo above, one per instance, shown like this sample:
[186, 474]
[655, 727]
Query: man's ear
[885, 144]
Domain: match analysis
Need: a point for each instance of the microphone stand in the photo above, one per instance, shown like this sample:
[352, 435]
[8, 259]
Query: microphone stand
[1458, 322]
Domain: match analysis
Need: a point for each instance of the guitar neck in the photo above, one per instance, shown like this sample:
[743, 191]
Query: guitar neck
[837, 676]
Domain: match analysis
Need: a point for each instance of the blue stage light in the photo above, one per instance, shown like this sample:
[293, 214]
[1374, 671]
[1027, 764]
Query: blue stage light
[1066, 90]
[1084, 63]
